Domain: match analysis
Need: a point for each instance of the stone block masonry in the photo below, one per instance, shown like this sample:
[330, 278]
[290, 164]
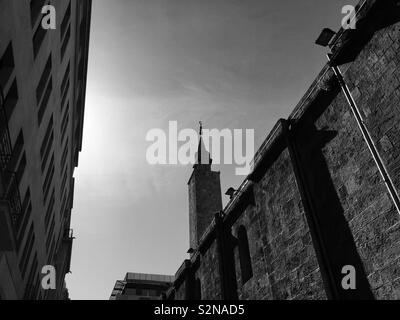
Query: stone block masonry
[315, 200]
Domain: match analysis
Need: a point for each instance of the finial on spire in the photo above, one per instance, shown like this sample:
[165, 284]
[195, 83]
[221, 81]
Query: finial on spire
[201, 128]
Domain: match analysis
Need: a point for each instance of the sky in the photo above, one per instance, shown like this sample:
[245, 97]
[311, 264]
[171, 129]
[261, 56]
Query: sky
[235, 64]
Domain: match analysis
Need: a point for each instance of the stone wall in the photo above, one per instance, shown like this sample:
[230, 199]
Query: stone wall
[318, 200]
[283, 258]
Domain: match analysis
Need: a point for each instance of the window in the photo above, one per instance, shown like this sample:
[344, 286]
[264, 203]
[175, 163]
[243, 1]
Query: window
[21, 168]
[36, 9]
[46, 138]
[45, 101]
[65, 94]
[38, 38]
[64, 202]
[11, 99]
[49, 179]
[23, 263]
[6, 65]
[65, 78]
[64, 125]
[25, 205]
[16, 151]
[64, 180]
[244, 255]
[51, 252]
[65, 21]
[65, 42]
[64, 157]
[43, 80]
[47, 144]
[30, 287]
[27, 215]
[50, 234]
[49, 210]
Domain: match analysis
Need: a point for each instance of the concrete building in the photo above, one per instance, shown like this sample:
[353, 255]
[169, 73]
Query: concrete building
[321, 204]
[43, 84]
[139, 286]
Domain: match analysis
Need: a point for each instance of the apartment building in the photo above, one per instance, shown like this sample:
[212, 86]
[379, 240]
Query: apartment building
[42, 83]
[141, 286]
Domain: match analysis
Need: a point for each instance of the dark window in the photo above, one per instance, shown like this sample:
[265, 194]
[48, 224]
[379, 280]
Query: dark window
[65, 94]
[244, 255]
[51, 252]
[16, 151]
[46, 138]
[50, 234]
[65, 78]
[23, 263]
[11, 99]
[64, 126]
[64, 180]
[47, 144]
[38, 38]
[6, 65]
[49, 178]
[21, 168]
[43, 80]
[27, 215]
[29, 289]
[45, 101]
[62, 106]
[25, 204]
[36, 9]
[64, 202]
[65, 42]
[64, 157]
[49, 210]
[35, 291]
[65, 20]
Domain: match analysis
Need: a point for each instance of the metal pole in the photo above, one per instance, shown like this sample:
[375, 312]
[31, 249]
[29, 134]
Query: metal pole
[367, 137]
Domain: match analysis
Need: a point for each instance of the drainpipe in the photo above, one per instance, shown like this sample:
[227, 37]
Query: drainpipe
[367, 136]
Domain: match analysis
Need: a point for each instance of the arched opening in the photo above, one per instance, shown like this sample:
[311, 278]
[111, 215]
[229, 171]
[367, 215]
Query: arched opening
[244, 255]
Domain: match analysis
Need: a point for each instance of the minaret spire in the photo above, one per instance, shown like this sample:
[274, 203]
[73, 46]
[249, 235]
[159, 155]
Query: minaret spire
[201, 150]
[204, 192]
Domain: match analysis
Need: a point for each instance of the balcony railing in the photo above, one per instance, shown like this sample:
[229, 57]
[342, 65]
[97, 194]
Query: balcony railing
[5, 144]
[9, 185]
[10, 193]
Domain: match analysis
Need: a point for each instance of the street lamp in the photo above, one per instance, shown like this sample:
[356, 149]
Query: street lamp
[325, 37]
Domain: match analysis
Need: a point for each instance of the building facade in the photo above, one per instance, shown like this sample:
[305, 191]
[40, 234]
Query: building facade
[319, 215]
[43, 83]
[140, 286]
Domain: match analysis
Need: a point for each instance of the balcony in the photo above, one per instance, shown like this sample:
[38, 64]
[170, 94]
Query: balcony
[5, 144]
[9, 185]
[9, 188]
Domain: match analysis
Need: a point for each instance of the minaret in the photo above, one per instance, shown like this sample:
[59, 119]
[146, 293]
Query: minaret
[204, 194]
